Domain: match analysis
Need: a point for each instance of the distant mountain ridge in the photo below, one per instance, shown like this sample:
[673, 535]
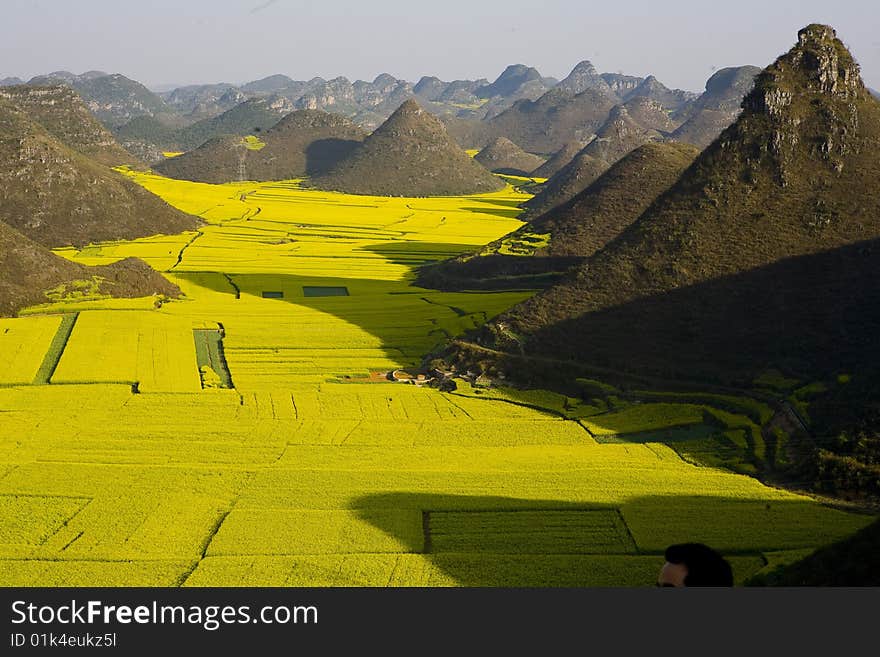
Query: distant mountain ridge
[146, 122]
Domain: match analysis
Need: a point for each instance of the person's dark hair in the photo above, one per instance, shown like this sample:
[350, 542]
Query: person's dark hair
[704, 565]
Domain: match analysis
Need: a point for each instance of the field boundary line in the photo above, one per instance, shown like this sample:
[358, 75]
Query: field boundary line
[215, 528]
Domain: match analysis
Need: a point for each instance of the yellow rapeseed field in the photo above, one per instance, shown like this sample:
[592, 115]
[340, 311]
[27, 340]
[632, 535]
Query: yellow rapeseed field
[313, 469]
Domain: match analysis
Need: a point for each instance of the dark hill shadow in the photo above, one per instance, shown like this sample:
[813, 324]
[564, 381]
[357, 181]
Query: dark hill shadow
[409, 321]
[414, 254]
[496, 272]
[322, 154]
[511, 542]
[812, 316]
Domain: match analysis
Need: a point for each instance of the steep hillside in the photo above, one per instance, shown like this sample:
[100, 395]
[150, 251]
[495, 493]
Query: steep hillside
[539, 253]
[114, 99]
[411, 154]
[203, 101]
[567, 183]
[558, 160]
[760, 255]
[64, 115]
[671, 99]
[542, 126]
[249, 118]
[57, 196]
[628, 126]
[593, 218]
[503, 156]
[582, 77]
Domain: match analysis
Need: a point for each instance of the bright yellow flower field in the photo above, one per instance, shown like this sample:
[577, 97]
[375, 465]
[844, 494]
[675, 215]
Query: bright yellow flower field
[311, 470]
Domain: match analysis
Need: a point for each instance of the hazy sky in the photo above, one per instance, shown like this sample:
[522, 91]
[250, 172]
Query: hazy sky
[189, 41]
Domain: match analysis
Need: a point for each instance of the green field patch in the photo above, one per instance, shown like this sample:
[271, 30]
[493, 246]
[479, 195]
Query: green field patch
[213, 369]
[664, 435]
[639, 418]
[32, 519]
[56, 348]
[253, 143]
[541, 531]
[324, 291]
[775, 380]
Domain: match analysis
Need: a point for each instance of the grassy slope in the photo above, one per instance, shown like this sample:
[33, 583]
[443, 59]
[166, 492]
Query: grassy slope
[740, 207]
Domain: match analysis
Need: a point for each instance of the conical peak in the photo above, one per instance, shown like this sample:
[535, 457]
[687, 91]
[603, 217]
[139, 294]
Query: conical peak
[827, 66]
[585, 66]
[819, 65]
[409, 108]
[501, 142]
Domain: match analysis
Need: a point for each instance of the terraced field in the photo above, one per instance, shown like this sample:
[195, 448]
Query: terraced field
[124, 464]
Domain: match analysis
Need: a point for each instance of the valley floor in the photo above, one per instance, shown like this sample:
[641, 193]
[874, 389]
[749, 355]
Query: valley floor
[127, 459]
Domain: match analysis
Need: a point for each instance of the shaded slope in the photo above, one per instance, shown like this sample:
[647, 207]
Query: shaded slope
[593, 218]
[57, 196]
[568, 182]
[305, 142]
[637, 121]
[553, 243]
[411, 154]
[850, 562]
[503, 156]
[558, 160]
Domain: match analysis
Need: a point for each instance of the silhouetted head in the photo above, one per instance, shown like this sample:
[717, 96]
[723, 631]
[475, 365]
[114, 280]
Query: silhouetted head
[694, 564]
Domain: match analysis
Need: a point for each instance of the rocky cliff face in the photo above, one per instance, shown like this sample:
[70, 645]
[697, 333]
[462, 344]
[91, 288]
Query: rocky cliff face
[808, 100]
